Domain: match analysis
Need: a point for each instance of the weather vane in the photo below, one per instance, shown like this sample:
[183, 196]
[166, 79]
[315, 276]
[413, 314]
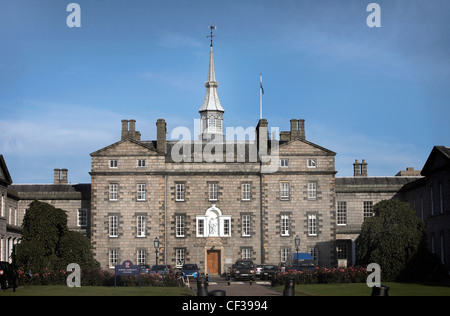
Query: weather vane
[212, 27]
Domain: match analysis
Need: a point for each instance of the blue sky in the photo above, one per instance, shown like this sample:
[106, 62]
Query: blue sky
[379, 94]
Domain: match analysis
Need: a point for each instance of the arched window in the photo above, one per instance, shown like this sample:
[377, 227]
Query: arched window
[213, 223]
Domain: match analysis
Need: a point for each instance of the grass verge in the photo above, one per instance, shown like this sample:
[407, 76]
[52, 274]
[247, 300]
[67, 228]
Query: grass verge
[361, 289]
[62, 290]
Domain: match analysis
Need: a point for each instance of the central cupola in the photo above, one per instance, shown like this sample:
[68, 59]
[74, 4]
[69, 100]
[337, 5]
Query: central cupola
[211, 111]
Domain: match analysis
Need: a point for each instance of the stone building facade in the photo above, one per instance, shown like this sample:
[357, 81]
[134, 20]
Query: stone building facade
[10, 230]
[73, 198]
[212, 201]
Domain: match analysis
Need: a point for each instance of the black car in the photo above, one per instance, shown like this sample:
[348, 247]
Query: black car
[7, 275]
[244, 269]
[268, 270]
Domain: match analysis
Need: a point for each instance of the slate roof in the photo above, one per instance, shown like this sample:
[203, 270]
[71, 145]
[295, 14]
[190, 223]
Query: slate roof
[372, 184]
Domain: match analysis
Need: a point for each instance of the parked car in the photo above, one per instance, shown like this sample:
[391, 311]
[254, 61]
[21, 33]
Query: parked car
[7, 275]
[268, 270]
[189, 270]
[145, 269]
[244, 269]
[161, 269]
[282, 267]
[258, 269]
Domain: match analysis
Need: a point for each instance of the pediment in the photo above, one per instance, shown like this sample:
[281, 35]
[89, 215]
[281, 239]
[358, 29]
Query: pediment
[5, 177]
[303, 147]
[439, 159]
[127, 147]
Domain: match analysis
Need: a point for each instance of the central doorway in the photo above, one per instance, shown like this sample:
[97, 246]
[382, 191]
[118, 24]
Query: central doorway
[213, 262]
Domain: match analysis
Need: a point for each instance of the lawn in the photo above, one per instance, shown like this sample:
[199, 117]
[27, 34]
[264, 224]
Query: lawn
[361, 289]
[62, 290]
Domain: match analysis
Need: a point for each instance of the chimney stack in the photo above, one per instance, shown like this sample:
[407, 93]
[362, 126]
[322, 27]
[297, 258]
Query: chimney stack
[60, 176]
[161, 130]
[360, 168]
[297, 129]
[364, 168]
[129, 130]
[261, 137]
[56, 176]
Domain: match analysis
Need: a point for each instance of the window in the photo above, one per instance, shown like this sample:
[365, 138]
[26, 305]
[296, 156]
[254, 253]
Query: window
[246, 225]
[441, 199]
[180, 192]
[140, 226]
[284, 163]
[312, 225]
[113, 258]
[246, 191]
[141, 256]
[312, 163]
[180, 254]
[226, 227]
[213, 224]
[82, 217]
[285, 190]
[212, 191]
[180, 225]
[200, 227]
[285, 225]
[342, 213]
[212, 123]
[342, 251]
[113, 163]
[113, 226]
[141, 163]
[113, 192]
[312, 190]
[367, 209]
[246, 253]
[285, 252]
[314, 252]
[141, 192]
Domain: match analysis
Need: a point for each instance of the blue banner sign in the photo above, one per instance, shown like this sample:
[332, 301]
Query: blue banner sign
[127, 268]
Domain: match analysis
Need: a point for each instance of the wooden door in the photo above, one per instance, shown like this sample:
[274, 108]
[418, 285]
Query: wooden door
[213, 262]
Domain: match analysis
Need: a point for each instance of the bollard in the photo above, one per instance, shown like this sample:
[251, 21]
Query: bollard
[228, 277]
[289, 286]
[380, 290]
[217, 293]
[202, 287]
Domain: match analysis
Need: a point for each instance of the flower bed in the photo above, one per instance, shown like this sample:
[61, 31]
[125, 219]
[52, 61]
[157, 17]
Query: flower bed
[96, 277]
[324, 275]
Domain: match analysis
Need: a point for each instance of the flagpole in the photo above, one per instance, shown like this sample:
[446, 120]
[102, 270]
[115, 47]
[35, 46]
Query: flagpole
[260, 96]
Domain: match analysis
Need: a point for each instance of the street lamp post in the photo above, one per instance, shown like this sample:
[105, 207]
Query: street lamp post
[297, 244]
[156, 244]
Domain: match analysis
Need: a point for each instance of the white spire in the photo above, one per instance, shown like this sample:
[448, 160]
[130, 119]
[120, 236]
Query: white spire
[211, 102]
[211, 111]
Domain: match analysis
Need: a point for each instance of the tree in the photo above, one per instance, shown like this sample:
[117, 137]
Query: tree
[395, 238]
[47, 242]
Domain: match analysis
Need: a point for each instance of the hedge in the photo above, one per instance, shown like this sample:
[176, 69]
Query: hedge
[96, 277]
[324, 275]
